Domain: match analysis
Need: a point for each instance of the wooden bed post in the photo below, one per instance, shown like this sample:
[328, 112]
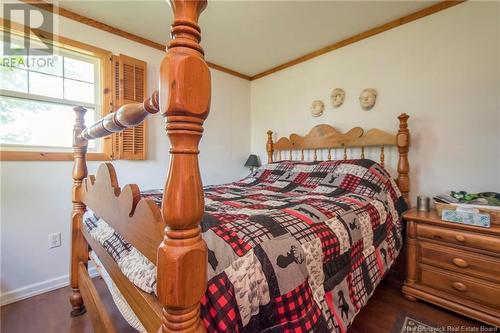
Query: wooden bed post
[270, 146]
[79, 248]
[185, 91]
[403, 143]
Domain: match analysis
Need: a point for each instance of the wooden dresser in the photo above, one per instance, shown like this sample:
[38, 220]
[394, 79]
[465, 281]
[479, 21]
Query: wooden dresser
[453, 265]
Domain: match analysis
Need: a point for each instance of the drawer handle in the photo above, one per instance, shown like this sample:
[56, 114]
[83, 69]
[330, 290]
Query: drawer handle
[460, 238]
[459, 286]
[459, 262]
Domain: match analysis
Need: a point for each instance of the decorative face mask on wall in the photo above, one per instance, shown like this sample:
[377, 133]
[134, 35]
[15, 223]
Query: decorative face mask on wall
[317, 108]
[337, 97]
[368, 98]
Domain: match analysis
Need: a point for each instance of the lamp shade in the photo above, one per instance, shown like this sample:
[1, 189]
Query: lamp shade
[252, 161]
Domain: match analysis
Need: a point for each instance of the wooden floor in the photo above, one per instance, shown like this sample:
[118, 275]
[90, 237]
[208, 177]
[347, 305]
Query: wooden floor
[49, 313]
[383, 309]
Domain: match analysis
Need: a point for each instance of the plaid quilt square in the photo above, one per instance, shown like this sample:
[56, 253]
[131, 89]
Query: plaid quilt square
[296, 227]
[350, 183]
[297, 309]
[229, 236]
[251, 232]
[219, 308]
[329, 242]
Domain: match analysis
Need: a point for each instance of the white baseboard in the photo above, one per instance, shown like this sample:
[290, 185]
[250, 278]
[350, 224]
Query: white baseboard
[39, 288]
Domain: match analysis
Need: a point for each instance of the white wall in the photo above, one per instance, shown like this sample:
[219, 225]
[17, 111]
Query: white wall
[443, 70]
[35, 196]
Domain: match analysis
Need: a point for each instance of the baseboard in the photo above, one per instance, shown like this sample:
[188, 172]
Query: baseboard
[39, 288]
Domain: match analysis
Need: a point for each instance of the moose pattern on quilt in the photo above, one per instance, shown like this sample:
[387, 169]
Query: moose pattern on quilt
[293, 247]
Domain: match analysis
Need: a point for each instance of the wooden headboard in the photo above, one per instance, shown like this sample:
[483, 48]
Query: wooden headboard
[325, 137]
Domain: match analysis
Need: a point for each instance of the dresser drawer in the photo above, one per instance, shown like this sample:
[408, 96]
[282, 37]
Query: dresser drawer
[468, 263]
[464, 238]
[479, 291]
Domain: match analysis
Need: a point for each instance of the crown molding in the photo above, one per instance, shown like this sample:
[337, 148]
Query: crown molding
[350, 40]
[366, 34]
[124, 34]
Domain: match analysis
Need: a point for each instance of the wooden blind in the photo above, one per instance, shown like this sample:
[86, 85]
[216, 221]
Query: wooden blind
[129, 86]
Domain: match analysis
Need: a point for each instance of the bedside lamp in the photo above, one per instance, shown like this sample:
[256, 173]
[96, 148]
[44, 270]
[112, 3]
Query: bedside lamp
[252, 162]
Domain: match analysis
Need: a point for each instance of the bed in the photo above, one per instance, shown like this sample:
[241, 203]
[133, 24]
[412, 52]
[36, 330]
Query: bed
[313, 238]
[296, 246]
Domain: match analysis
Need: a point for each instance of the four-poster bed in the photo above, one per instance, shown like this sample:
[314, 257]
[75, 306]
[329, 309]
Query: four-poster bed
[170, 236]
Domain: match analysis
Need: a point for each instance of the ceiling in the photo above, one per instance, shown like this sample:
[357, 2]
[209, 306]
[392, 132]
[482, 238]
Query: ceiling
[253, 36]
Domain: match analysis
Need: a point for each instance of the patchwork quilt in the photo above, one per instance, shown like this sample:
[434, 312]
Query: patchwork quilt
[293, 247]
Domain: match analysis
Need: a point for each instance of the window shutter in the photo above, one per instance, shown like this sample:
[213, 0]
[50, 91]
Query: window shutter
[129, 87]
[117, 102]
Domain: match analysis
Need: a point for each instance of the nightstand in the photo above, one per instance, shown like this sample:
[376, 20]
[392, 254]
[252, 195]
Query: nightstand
[453, 265]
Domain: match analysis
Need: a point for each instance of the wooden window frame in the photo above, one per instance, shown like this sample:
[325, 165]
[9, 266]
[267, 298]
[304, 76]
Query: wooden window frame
[106, 82]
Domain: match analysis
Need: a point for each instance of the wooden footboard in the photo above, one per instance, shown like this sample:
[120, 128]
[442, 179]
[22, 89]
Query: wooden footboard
[101, 320]
[144, 305]
[138, 220]
[170, 237]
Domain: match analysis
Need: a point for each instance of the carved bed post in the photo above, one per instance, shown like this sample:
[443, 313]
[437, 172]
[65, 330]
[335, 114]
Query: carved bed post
[270, 146]
[185, 91]
[79, 248]
[403, 143]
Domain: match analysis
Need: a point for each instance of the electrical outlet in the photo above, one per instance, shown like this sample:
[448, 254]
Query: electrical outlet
[54, 240]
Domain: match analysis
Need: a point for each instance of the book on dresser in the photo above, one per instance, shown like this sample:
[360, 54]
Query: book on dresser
[455, 266]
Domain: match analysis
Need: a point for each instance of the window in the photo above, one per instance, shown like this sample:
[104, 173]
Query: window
[38, 93]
